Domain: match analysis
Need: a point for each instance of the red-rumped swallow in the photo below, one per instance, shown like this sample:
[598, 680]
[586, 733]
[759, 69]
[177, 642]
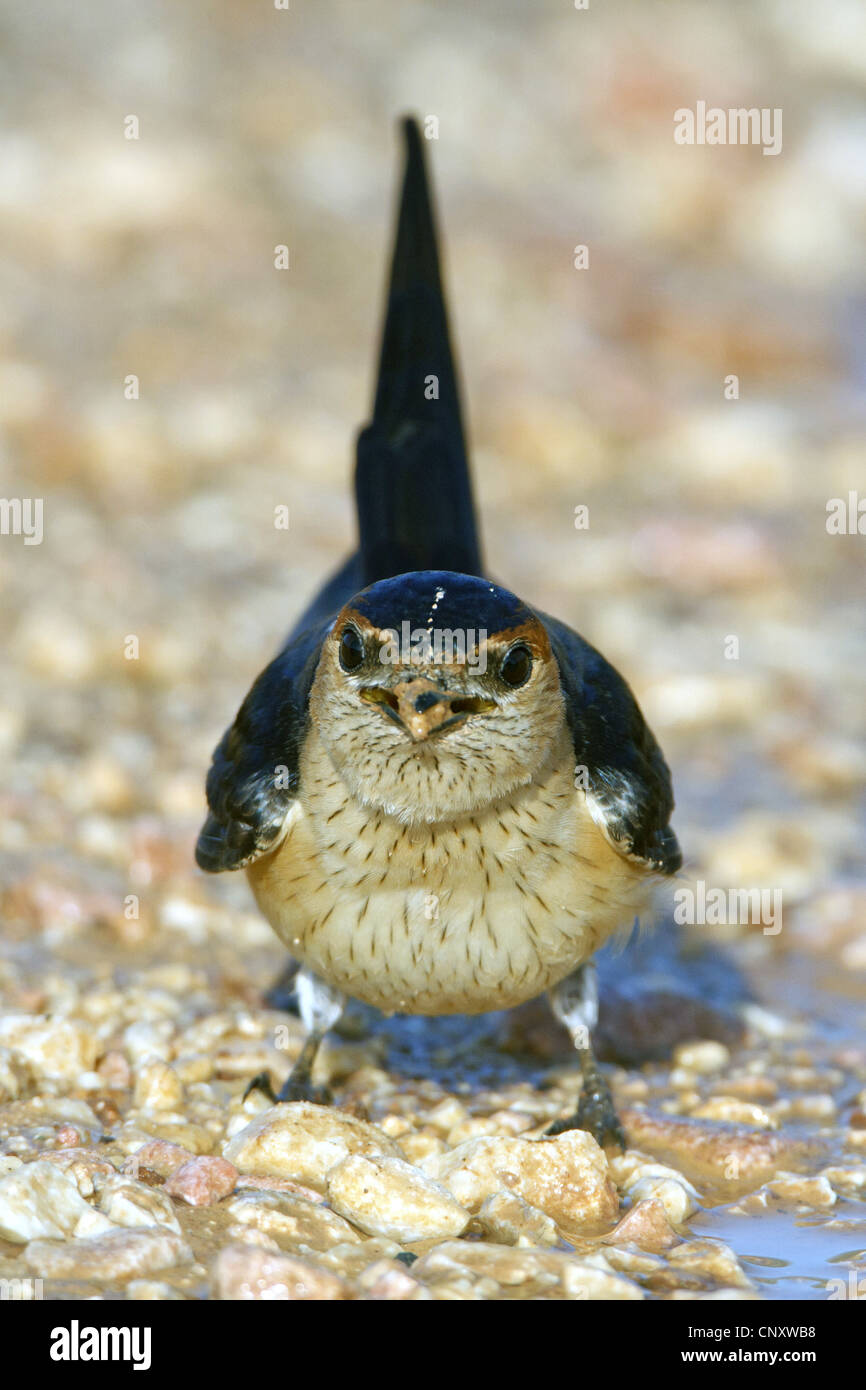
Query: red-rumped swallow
[445, 801]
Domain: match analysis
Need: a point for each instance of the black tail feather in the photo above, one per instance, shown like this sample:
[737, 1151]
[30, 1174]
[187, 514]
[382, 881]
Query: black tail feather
[414, 494]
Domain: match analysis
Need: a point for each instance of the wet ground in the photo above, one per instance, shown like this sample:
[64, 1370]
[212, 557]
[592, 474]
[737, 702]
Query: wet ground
[603, 388]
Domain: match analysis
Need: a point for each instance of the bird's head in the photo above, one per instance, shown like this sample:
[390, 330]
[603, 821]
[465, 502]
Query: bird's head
[436, 694]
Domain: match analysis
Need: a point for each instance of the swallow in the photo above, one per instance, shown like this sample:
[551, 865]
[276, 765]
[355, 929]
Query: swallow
[444, 800]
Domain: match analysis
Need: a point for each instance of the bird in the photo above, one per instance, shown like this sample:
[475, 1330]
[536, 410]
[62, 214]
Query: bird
[445, 801]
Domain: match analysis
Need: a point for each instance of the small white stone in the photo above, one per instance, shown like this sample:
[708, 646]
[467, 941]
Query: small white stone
[38, 1199]
[676, 1194]
[702, 1057]
[57, 1049]
[292, 1220]
[711, 1258]
[158, 1087]
[144, 1040]
[507, 1219]
[305, 1142]
[389, 1197]
[732, 1110]
[794, 1187]
[115, 1255]
[129, 1203]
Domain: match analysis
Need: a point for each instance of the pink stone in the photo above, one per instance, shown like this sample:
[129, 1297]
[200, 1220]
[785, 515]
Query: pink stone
[203, 1181]
[159, 1156]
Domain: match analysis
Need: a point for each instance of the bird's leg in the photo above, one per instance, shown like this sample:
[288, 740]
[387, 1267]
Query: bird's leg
[575, 1003]
[281, 995]
[320, 1007]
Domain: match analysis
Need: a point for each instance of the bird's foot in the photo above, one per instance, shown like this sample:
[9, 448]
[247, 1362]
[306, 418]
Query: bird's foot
[302, 1088]
[262, 1083]
[596, 1114]
[294, 1088]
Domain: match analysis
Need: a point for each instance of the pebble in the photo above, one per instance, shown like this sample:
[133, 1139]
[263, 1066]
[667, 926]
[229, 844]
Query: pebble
[811, 1192]
[86, 1167]
[38, 1199]
[646, 1225]
[244, 1272]
[567, 1177]
[292, 1220]
[848, 1181]
[158, 1156]
[53, 1048]
[447, 1115]
[704, 1058]
[734, 1111]
[391, 1198]
[754, 1088]
[129, 1203]
[115, 1255]
[507, 1219]
[664, 1185]
[417, 1147]
[250, 1235]
[142, 1125]
[145, 1039]
[535, 1272]
[304, 1142]
[45, 1116]
[395, 1126]
[151, 1291]
[158, 1087]
[817, 1107]
[350, 1260]
[633, 1262]
[203, 1181]
[114, 1071]
[712, 1259]
[387, 1281]
[708, 1148]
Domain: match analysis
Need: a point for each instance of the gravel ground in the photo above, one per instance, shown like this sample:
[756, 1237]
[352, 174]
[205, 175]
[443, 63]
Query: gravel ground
[135, 992]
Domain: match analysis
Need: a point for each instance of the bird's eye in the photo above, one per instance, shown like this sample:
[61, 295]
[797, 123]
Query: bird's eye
[351, 649]
[516, 665]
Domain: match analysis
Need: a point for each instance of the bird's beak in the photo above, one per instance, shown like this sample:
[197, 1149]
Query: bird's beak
[423, 708]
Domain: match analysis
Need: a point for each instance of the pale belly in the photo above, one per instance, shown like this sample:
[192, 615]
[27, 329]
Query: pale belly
[479, 914]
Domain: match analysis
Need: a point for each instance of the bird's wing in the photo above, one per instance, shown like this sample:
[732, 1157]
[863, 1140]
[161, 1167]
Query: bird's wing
[628, 784]
[253, 778]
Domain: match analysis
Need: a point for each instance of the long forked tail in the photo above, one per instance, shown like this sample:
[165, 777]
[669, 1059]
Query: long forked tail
[414, 495]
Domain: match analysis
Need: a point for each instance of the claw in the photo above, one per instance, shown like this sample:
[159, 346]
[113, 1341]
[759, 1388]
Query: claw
[597, 1115]
[262, 1083]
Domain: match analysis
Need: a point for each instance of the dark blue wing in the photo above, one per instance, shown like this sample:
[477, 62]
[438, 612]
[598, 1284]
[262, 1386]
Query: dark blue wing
[628, 781]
